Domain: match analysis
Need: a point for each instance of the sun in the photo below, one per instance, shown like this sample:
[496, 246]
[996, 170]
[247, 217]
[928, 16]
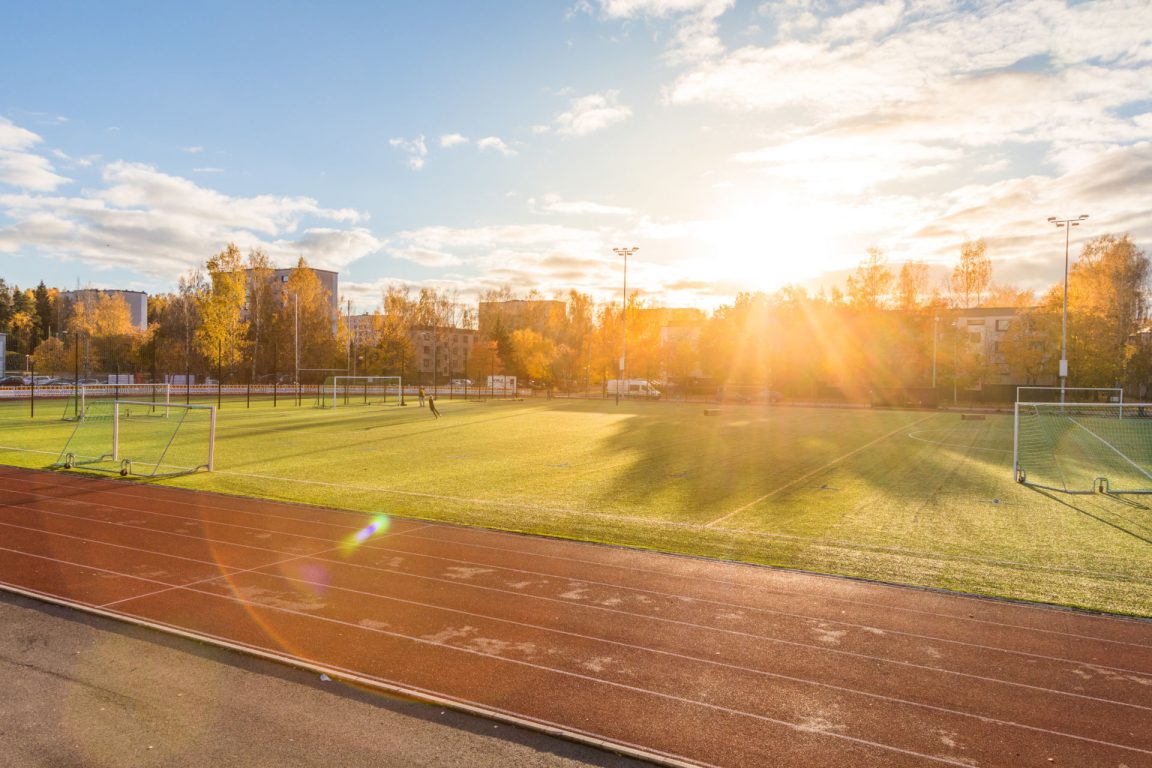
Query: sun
[768, 248]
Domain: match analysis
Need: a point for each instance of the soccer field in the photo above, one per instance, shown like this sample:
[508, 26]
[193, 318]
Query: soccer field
[924, 498]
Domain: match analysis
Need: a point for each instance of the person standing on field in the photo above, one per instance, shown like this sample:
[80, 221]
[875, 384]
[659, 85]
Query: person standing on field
[420, 393]
[432, 406]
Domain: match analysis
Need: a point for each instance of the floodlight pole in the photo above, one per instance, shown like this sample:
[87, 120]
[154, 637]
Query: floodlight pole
[935, 335]
[1067, 224]
[625, 252]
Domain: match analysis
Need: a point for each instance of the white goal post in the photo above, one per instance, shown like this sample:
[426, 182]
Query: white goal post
[362, 390]
[140, 437]
[158, 394]
[1099, 447]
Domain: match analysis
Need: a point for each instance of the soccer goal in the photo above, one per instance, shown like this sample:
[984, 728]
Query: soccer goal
[76, 404]
[363, 390]
[1084, 447]
[139, 437]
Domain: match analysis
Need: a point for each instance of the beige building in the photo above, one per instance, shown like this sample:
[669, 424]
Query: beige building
[442, 354]
[137, 302]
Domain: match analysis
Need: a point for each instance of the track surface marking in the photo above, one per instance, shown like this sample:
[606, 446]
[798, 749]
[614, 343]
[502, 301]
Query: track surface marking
[681, 660]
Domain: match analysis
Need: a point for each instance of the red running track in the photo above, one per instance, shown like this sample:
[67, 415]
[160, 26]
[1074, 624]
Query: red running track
[680, 660]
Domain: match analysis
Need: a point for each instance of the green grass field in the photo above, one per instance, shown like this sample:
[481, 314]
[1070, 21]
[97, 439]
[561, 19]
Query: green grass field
[907, 497]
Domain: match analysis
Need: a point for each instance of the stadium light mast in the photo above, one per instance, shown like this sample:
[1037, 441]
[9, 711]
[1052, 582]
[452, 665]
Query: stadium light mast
[1067, 224]
[625, 252]
[296, 338]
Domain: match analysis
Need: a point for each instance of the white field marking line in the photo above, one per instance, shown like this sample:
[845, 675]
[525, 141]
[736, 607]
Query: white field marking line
[689, 658]
[542, 573]
[591, 679]
[27, 450]
[1116, 450]
[737, 633]
[818, 470]
[916, 436]
[778, 591]
[413, 494]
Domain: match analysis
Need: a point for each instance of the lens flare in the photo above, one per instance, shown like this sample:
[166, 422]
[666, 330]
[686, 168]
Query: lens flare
[377, 527]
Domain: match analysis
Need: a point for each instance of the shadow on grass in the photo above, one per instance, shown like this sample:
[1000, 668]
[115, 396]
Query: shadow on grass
[1143, 536]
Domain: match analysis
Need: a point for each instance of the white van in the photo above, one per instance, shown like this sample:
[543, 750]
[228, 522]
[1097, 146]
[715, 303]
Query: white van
[634, 388]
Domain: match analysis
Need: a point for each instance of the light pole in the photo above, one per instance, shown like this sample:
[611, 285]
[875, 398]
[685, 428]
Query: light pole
[1067, 224]
[935, 335]
[625, 252]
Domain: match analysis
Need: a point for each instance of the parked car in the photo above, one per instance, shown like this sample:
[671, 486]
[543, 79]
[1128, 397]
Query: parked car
[12, 381]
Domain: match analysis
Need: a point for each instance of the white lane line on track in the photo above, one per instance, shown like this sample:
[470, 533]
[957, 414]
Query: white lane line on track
[218, 577]
[830, 544]
[671, 595]
[556, 558]
[631, 688]
[379, 546]
[816, 471]
[779, 591]
[676, 622]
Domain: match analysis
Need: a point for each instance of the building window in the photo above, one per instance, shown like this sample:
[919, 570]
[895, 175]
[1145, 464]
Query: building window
[1002, 325]
[975, 321]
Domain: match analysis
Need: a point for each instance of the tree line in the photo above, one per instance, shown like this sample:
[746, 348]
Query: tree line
[888, 328]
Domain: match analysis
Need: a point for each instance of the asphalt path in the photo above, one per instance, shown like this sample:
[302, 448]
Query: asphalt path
[90, 692]
[679, 660]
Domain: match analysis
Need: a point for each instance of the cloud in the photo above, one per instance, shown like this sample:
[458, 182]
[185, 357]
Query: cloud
[192, 150]
[936, 62]
[696, 36]
[22, 168]
[591, 113]
[552, 203]
[845, 163]
[495, 144]
[160, 225]
[452, 140]
[415, 148]
[208, 169]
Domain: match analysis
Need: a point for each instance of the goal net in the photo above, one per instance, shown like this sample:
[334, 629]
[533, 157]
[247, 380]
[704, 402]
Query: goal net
[76, 403]
[362, 390]
[1084, 447]
[139, 437]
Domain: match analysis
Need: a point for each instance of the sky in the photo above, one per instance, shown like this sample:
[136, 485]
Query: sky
[473, 146]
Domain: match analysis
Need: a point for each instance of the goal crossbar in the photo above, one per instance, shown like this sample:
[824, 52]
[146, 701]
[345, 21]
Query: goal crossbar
[366, 390]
